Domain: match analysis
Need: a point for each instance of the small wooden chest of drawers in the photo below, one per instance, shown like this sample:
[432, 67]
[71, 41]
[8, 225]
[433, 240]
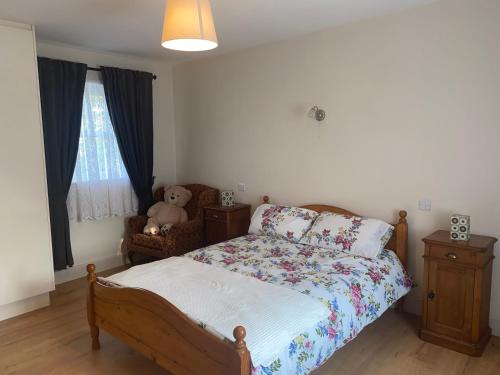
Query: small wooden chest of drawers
[457, 287]
[223, 223]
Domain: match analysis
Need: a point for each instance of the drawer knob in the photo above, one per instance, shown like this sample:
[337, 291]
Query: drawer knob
[452, 256]
[431, 295]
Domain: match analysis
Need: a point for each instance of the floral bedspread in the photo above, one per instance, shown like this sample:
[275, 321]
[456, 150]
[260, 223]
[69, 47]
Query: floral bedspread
[356, 290]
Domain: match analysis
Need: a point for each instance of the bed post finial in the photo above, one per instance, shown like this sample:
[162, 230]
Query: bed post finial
[91, 273]
[265, 199]
[239, 334]
[402, 246]
[402, 216]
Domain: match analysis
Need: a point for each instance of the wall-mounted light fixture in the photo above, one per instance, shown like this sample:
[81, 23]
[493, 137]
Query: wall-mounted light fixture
[318, 113]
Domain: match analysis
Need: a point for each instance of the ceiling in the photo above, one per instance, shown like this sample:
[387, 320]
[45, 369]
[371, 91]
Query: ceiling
[134, 26]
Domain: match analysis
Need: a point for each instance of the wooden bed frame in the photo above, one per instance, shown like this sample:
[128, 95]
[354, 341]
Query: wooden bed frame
[156, 328]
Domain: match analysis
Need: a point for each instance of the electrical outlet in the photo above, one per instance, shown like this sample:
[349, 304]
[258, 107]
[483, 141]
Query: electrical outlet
[425, 205]
[242, 187]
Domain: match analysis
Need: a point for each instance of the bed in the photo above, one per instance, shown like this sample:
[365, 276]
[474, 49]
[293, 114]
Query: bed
[357, 291]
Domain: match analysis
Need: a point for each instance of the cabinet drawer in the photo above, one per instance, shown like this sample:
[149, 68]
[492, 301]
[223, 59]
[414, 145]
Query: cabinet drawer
[453, 255]
[215, 215]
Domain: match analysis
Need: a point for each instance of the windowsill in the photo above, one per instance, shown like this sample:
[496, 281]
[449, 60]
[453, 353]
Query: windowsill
[93, 220]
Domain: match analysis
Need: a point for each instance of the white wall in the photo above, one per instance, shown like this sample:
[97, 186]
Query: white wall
[97, 241]
[413, 111]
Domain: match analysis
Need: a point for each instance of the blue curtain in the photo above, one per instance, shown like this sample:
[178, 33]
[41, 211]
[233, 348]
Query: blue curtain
[62, 84]
[129, 96]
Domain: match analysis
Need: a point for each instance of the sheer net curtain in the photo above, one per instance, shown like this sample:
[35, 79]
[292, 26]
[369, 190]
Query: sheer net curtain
[101, 187]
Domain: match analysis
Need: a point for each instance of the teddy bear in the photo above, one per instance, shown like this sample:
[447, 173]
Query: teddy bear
[162, 215]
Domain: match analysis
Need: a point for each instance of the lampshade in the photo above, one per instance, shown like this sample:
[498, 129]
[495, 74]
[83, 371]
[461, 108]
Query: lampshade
[188, 26]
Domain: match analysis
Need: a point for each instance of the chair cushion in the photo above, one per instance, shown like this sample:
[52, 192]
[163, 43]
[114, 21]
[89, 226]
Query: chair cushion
[154, 242]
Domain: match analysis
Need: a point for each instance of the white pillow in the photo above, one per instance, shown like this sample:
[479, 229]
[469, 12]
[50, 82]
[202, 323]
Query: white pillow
[286, 222]
[352, 234]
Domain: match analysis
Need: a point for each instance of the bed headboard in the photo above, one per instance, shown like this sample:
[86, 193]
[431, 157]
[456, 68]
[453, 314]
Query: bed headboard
[399, 240]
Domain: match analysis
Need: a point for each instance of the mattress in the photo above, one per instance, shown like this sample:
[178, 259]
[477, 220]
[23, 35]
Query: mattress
[355, 289]
[219, 300]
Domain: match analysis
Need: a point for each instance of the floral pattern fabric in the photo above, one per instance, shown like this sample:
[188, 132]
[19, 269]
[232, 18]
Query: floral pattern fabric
[358, 235]
[355, 289]
[286, 222]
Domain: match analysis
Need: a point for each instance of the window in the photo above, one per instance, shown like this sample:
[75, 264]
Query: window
[100, 187]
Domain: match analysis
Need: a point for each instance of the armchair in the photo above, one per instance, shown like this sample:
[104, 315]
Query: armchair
[182, 238]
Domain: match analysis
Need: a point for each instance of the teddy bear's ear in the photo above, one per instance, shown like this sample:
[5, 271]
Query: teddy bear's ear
[166, 187]
[189, 194]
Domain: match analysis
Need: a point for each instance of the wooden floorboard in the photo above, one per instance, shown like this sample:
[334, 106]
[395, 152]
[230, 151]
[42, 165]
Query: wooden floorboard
[55, 340]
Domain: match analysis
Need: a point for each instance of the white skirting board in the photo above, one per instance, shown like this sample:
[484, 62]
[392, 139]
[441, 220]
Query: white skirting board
[495, 326]
[80, 270]
[26, 305]
[42, 300]
[37, 302]
[413, 305]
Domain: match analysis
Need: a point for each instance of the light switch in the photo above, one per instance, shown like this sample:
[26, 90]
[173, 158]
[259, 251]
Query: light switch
[242, 187]
[425, 205]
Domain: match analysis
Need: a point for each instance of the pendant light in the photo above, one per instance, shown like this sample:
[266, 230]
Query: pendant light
[188, 26]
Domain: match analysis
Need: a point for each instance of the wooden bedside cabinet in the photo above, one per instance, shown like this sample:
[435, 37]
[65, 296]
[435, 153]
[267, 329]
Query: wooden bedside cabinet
[457, 286]
[223, 223]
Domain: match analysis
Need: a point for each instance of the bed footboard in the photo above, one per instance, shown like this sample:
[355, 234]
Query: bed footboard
[160, 331]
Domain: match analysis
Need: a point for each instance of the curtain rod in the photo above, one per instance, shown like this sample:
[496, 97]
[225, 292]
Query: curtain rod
[98, 70]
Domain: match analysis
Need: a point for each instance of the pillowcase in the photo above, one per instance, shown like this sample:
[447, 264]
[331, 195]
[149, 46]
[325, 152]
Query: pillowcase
[352, 234]
[286, 222]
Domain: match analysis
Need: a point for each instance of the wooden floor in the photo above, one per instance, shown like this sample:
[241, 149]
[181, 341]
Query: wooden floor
[55, 340]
